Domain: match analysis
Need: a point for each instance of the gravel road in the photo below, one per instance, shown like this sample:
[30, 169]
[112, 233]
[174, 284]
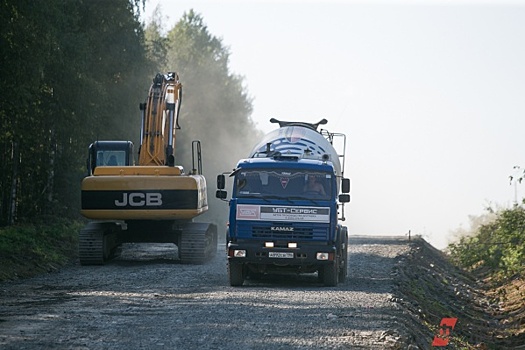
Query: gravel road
[147, 300]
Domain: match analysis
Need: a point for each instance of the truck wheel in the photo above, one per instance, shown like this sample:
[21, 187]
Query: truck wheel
[331, 274]
[343, 260]
[320, 274]
[343, 266]
[343, 270]
[253, 275]
[236, 272]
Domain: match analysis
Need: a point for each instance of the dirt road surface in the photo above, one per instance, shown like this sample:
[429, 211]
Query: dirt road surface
[147, 300]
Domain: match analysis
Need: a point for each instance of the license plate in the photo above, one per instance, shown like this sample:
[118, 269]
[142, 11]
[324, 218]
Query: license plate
[282, 255]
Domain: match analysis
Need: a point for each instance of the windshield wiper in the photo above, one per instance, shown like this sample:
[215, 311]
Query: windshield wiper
[255, 195]
[305, 198]
[277, 197]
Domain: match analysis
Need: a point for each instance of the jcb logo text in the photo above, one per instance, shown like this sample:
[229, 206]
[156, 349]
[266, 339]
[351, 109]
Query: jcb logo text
[139, 199]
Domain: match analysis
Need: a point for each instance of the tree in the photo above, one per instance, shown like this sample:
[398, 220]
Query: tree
[497, 245]
[156, 43]
[216, 107]
[77, 72]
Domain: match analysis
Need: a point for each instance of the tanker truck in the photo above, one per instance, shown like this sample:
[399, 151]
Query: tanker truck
[286, 205]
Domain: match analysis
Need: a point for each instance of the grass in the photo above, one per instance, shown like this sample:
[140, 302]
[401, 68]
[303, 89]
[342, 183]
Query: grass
[29, 249]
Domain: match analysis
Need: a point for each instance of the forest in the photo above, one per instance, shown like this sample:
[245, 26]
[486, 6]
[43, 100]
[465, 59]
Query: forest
[74, 72]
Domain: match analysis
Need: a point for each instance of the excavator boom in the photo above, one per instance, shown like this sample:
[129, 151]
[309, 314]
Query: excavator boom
[160, 120]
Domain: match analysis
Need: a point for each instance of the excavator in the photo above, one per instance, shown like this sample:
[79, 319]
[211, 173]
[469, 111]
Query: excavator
[155, 201]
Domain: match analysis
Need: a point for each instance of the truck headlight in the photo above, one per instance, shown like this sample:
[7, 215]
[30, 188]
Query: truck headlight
[239, 253]
[268, 244]
[292, 245]
[322, 256]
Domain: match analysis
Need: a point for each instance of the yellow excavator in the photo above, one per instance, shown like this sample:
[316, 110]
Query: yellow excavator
[152, 202]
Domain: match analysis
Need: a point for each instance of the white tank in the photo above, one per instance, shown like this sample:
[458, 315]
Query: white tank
[301, 141]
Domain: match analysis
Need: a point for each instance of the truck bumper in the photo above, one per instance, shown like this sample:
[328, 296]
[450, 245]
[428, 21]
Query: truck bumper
[303, 255]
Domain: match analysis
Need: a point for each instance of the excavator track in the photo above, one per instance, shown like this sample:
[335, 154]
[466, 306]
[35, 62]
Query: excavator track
[97, 243]
[198, 243]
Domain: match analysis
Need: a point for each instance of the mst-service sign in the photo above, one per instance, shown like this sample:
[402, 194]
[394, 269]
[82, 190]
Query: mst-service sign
[282, 213]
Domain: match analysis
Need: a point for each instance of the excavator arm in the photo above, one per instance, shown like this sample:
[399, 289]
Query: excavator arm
[160, 120]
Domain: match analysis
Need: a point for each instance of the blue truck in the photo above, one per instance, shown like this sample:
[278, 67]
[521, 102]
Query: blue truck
[286, 205]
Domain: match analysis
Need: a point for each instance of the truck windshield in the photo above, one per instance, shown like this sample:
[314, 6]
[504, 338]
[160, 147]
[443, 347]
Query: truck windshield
[286, 184]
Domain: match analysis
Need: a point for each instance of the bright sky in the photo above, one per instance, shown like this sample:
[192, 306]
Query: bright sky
[431, 97]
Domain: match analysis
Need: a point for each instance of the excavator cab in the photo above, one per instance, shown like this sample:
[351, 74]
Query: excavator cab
[109, 153]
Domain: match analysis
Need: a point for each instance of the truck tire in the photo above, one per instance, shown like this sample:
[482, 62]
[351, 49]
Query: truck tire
[236, 272]
[343, 262]
[331, 274]
[343, 269]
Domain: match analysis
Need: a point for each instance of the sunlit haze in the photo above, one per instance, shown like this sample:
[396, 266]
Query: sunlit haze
[431, 97]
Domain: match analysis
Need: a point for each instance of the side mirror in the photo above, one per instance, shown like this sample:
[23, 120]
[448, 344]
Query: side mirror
[221, 194]
[344, 198]
[345, 185]
[221, 182]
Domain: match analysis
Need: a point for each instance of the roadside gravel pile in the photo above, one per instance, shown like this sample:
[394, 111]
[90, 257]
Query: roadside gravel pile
[429, 288]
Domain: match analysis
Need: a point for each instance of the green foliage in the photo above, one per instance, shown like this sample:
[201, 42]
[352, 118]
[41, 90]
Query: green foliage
[71, 72]
[31, 248]
[497, 246]
[156, 43]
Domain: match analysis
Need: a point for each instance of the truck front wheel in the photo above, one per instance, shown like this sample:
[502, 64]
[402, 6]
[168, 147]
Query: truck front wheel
[344, 265]
[330, 274]
[236, 272]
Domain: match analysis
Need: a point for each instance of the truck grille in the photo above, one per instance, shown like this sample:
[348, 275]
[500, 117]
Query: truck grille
[303, 232]
[297, 233]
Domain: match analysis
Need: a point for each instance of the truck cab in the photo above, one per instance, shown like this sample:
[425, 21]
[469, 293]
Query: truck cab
[284, 210]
